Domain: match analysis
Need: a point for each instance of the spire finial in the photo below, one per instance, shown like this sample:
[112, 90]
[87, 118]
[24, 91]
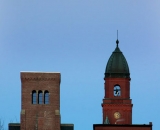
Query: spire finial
[117, 39]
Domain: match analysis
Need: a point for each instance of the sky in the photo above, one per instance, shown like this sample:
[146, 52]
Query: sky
[76, 38]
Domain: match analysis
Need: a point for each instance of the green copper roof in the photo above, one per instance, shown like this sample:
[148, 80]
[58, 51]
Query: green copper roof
[117, 65]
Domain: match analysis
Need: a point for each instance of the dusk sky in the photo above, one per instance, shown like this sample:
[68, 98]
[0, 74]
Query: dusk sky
[76, 38]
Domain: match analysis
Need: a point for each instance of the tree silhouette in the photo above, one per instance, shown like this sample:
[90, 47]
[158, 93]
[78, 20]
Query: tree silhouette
[1, 125]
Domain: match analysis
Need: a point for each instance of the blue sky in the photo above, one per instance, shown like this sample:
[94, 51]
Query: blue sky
[76, 38]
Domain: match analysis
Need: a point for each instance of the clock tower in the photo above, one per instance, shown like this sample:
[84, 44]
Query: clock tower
[117, 105]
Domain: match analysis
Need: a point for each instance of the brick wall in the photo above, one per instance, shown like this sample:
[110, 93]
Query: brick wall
[40, 116]
[122, 104]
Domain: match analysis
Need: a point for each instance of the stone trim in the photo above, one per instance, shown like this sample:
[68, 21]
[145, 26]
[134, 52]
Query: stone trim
[35, 76]
[35, 79]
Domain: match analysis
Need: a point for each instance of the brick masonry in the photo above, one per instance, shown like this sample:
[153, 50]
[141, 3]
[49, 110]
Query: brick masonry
[121, 104]
[40, 116]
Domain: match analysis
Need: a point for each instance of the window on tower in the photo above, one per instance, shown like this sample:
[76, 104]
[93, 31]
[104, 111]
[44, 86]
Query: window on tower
[40, 97]
[34, 97]
[117, 91]
[46, 97]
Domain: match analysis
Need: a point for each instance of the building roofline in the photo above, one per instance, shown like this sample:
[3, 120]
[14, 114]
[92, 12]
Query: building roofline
[36, 72]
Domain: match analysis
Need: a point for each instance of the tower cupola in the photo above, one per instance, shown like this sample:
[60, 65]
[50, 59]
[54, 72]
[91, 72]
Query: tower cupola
[117, 105]
[117, 66]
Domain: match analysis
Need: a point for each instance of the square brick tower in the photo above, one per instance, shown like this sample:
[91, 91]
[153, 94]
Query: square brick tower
[40, 107]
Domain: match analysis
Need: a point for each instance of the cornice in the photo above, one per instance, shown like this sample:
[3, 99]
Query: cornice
[38, 79]
[40, 76]
[117, 105]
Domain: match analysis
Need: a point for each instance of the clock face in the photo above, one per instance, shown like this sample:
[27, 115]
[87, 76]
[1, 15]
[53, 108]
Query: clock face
[117, 115]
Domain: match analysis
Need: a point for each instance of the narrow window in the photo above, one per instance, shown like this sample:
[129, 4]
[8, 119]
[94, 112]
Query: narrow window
[117, 91]
[34, 97]
[40, 97]
[46, 97]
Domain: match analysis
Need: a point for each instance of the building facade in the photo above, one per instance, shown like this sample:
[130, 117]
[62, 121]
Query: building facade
[40, 108]
[40, 102]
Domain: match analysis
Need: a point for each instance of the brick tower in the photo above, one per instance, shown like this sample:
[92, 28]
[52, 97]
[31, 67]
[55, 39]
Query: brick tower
[40, 109]
[117, 105]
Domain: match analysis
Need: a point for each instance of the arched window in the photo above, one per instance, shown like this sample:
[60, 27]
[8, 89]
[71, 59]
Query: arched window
[117, 91]
[34, 97]
[40, 97]
[46, 97]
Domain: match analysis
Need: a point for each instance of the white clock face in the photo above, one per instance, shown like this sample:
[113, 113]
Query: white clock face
[117, 115]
